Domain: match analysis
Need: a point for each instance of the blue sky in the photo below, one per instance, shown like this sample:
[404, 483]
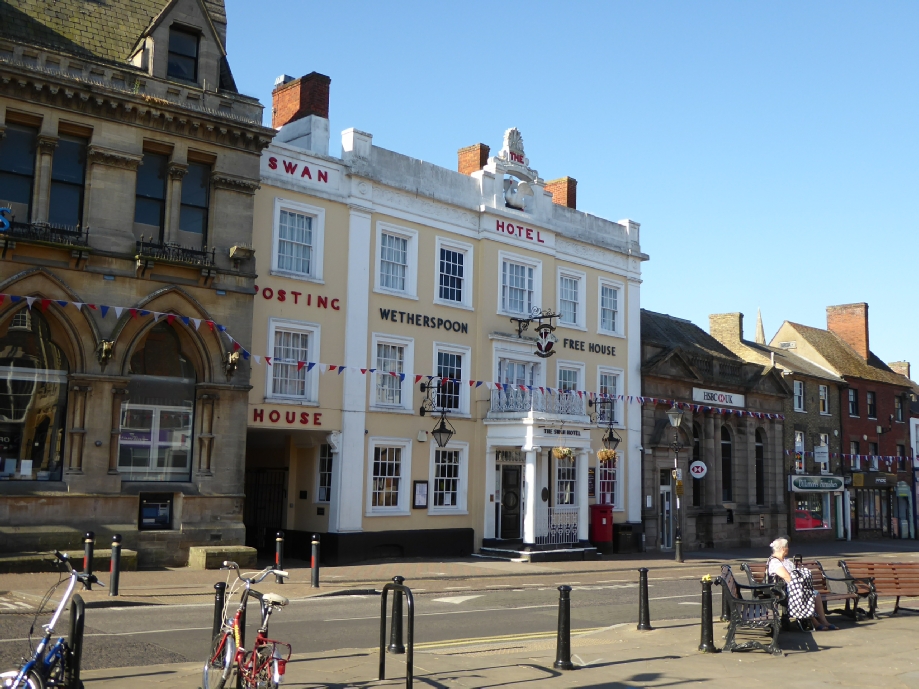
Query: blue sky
[769, 150]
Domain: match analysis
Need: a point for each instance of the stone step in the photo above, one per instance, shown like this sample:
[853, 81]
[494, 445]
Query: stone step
[558, 554]
[22, 563]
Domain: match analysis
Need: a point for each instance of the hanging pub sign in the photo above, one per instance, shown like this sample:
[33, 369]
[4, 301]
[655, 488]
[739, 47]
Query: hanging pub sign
[545, 340]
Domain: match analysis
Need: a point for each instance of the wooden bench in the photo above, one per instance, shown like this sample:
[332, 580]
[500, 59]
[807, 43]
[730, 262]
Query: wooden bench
[756, 574]
[760, 613]
[884, 579]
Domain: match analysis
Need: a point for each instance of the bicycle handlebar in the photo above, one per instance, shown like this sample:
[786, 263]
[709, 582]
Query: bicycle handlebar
[80, 576]
[264, 573]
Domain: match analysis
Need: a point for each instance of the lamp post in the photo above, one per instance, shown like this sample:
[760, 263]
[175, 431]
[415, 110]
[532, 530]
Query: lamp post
[433, 401]
[675, 414]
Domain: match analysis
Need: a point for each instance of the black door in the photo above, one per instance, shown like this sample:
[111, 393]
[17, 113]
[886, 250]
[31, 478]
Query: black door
[266, 497]
[510, 501]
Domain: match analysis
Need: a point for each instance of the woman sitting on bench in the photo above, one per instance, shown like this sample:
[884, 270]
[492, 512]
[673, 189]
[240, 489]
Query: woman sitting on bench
[803, 601]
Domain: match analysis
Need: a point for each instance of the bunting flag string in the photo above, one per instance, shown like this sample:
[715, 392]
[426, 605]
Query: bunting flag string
[339, 369]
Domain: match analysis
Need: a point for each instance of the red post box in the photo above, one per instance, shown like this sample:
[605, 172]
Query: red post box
[601, 524]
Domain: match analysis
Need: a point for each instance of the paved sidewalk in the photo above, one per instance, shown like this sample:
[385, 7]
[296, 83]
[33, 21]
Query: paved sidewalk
[184, 586]
[874, 653]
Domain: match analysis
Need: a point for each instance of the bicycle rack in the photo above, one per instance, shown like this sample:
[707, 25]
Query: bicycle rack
[75, 642]
[410, 645]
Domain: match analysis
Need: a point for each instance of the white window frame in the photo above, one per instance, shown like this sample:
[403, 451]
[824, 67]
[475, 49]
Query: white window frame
[311, 398]
[579, 366]
[581, 321]
[556, 481]
[824, 442]
[316, 498]
[868, 405]
[522, 352]
[468, 283]
[462, 487]
[617, 484]
[411, 258]
[619, 373]
[801, 465]
[620, 311]
[798, 398]
[533, 263]
[824, 397]
[405, 477]
[408, 365]
[318, 231]
[466, 372]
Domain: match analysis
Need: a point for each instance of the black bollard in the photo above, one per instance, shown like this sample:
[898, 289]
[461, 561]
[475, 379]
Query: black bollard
[314, 562]
[220, 591]
[77, 622]
[725, 602]
[115, 567]
[644, 613]
[563, 642]
[395, 630]
[278, 555]
[707, 643]
[89, 542]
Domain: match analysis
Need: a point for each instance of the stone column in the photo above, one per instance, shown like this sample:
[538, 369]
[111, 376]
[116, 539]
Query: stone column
[174, 202]
[118, 396]
[334, 441]
[491, 496]
[41, 198]
[530, 500]
[631, 456]
[711, 455]
[581, 467]
[77, 427]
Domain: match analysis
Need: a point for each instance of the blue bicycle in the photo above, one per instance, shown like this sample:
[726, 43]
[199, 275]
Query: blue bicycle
[51, 665]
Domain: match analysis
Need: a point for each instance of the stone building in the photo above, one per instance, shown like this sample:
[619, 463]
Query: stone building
[875, 436]
[128, 168]
[732, 423]
[811, 442]
[379, 274]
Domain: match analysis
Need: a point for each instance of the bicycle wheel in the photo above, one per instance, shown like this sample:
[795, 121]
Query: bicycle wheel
[260, 674]
[220, 663]
[33, 681]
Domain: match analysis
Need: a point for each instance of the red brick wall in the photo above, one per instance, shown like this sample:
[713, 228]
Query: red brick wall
[564, 191]
[855, 428]
[308, 95]
[850, 322]
[472, 158]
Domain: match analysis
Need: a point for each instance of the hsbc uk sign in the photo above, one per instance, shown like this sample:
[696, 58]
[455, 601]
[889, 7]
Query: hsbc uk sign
[717, 398]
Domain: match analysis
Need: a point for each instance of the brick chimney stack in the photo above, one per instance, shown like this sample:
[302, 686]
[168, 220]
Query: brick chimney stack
[472, 158]
[901, 367]
[726, 327]
[849, 322]
[299, 98]
[564, 191]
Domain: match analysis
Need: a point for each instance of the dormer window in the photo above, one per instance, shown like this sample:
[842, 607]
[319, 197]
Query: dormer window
[183, 55]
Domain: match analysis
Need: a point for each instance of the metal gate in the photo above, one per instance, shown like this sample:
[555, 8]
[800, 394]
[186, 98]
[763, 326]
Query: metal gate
[266, 497]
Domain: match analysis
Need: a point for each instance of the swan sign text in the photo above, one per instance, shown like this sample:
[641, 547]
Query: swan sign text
[519, 231]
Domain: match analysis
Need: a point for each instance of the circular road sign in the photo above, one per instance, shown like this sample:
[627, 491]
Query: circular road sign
[698, 469]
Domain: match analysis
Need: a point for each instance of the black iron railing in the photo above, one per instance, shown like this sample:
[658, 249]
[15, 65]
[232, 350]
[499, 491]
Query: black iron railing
[45, 232]
[174, 253]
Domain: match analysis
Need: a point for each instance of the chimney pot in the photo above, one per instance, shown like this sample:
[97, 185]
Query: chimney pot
[472, 158]
[849, 322]
[564, 191]
[295, 99]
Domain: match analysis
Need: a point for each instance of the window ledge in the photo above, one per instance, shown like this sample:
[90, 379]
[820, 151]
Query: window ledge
[610, 333]
[452, 304]
[393, 513]
[572, 326]
[447, 513]
[295, 276]
[292, 401]
[395, 293]
[391, 410]
[825, 413]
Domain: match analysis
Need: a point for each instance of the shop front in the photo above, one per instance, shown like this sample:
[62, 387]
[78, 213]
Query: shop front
[873, 509]
[817, 506]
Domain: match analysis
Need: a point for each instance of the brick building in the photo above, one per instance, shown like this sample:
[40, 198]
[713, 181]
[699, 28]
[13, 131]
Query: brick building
[128, 168]
[732, 422]
[811, 439]
[874, 421]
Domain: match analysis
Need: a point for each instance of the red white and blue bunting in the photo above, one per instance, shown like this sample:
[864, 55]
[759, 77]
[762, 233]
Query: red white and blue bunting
[137, 313]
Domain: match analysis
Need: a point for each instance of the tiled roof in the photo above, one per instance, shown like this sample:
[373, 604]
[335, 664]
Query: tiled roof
[846, 360]
[788, 360]
[659, 328]
[106, 29]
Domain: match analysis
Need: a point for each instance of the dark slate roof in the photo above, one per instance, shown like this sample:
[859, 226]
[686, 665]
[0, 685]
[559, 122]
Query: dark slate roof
[104, 29]
[846, 360]
[671, 332]
[793, 362]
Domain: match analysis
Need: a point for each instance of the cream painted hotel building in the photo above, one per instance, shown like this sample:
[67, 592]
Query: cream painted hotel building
[395, 268]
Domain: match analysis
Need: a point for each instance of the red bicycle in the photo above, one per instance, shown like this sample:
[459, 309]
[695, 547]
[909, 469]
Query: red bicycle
[263, 666]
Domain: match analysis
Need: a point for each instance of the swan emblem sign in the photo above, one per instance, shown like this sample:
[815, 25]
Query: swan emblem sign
[545, 340]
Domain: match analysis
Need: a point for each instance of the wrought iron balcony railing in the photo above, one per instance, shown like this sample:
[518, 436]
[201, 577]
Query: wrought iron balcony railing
[173, 253]
[62, 235]
[524, 401]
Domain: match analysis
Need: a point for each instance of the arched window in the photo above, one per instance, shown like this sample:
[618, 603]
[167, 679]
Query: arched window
[157, 416]
[727, 477]
[760, 468]
[698, 488]
[33, 399]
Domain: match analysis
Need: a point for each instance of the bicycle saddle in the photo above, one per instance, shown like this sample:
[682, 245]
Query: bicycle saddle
[275, 599]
